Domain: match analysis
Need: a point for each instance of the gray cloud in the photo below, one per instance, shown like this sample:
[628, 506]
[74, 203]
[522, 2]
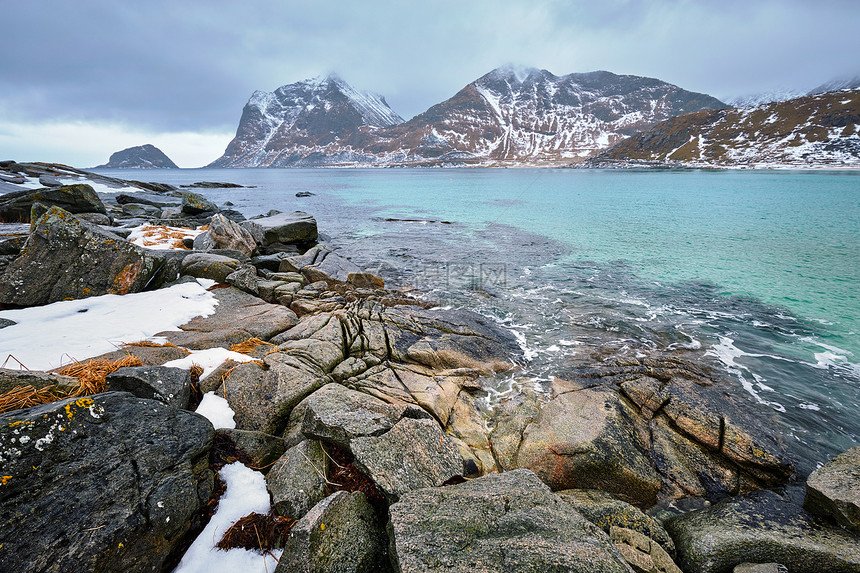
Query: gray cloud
[186, 66]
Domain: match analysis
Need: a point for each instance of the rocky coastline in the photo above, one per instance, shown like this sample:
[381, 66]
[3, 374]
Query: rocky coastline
[363, 408]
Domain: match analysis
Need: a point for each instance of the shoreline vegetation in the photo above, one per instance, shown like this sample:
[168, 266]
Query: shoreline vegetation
[305, 417]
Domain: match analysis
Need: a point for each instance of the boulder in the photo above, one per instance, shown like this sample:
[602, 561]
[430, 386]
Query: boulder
[606, 511]
[321, 264]
[195, 204]
[263, 398]
[245, 279]
[499, 522]
[169, 385]
[586, 439]
[645, 428]
[297, 481]
[760, 527]
[66, 258]
[225, 234]
[412, 455]
[106, 483]
[209, 266]
[339, 535]
[78, 198]
[296, 227]
[834, 489]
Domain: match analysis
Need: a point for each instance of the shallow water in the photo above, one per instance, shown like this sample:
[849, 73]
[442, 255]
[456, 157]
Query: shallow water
[758, 270]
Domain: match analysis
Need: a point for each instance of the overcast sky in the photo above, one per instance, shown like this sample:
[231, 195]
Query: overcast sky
[80, 80]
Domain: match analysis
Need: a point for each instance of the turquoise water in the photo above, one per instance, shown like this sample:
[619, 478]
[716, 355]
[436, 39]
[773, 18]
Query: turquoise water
[757, 270]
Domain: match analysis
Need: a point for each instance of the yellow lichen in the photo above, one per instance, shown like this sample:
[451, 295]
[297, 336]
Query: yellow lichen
[4, 479]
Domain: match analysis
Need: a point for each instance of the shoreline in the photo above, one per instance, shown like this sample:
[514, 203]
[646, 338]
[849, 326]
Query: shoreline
[328, 345]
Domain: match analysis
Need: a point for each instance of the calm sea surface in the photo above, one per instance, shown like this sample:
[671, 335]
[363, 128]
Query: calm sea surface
[757, 270]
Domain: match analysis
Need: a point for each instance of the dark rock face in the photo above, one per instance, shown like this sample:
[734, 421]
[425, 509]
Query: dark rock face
[106, 483]
[760, 527]
[834, 489]
[69, 258]
[296, 227]
[79, 198]
[139, 157]
[507, 115]
[169, 385]
[500, 522]
[196, 204]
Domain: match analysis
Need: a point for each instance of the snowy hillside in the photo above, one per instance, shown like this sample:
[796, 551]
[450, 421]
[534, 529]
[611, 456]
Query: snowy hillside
[811, 131]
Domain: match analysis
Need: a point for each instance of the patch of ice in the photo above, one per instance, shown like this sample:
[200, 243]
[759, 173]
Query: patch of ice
[49, 336]
[216, 410]
[246, 493]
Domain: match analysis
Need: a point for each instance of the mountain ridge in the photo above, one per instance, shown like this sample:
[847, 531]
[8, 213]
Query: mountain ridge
[509, 115]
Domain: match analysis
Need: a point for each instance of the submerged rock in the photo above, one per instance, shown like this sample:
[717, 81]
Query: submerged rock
[500, 522]
[66, 258]
[106, 483]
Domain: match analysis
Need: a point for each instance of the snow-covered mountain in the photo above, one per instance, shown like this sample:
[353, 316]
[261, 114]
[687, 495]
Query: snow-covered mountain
[306, 123]
[508, 116]
[810, 131]
[532, 116]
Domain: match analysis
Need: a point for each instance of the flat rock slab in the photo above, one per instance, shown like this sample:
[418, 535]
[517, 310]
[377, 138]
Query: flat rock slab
[507, 522]
[339, 535]
[413, 454]
[834, 489]
[238, 317]
[106, 483]
[760, 527]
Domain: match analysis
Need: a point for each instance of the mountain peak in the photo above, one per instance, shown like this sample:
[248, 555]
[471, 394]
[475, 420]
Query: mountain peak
[514, 73]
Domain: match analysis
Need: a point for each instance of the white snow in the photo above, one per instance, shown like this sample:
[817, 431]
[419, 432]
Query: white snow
[99, 187]
[49, 336]
[208, 360]
[160, 237]
[246, 493]
[216, 410]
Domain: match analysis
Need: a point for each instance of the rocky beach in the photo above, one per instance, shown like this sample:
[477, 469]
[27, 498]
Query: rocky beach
[358, 412]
